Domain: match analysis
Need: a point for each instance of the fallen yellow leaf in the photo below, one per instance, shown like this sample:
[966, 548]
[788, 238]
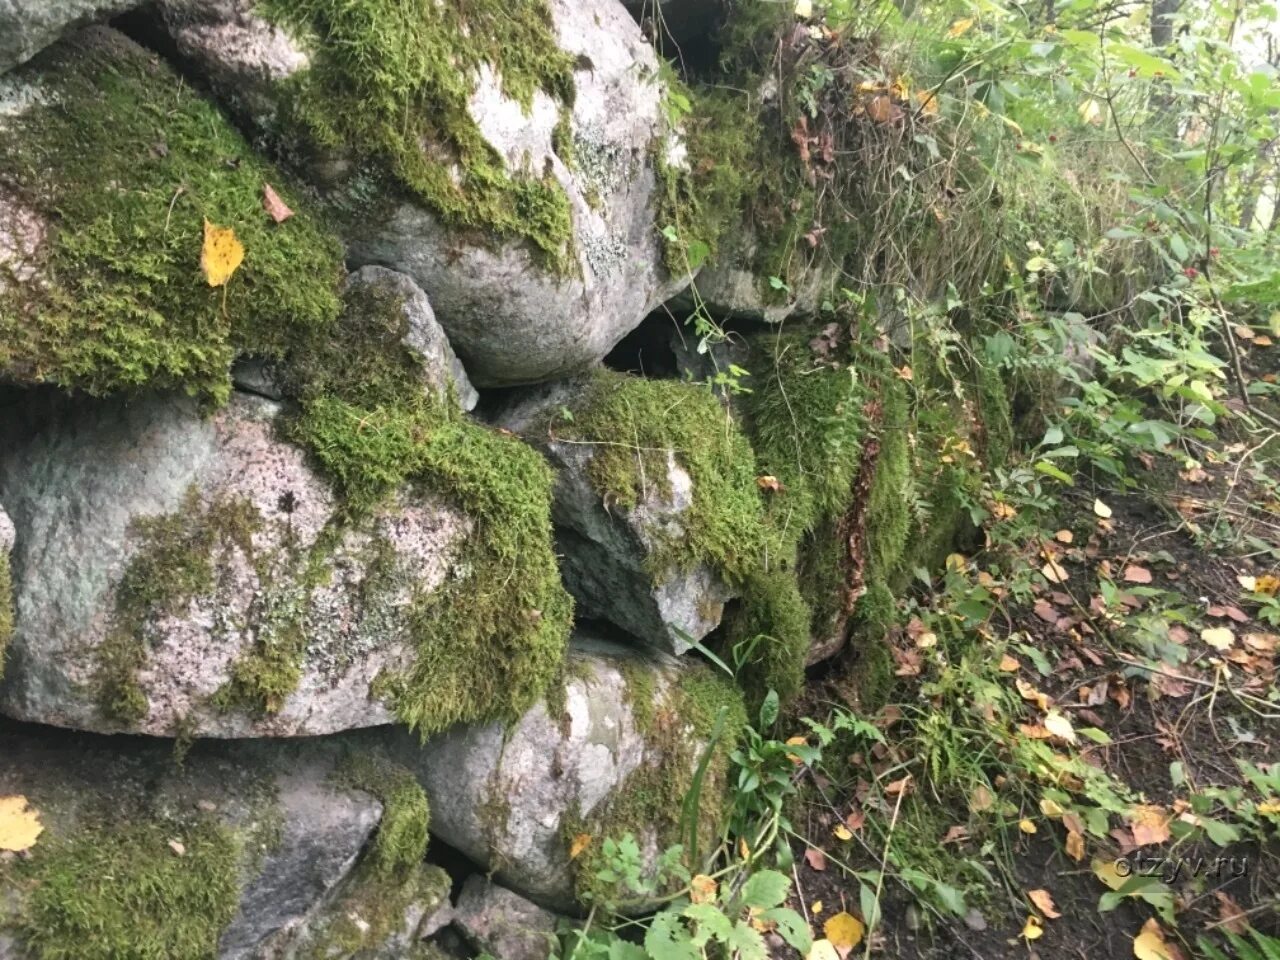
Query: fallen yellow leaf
[19, 824]
[845, 932]
[1150, 824]
[1150, 943]
[1026, 826]
[1009, 664]
[1109, 874]
[842, 832]
[1032, 930]
[960, 28]
[1220, 638]
[1059, 725]
[1101, 509]
[580, 843]
[1054, 572]
[822, 950]
[816, 907]
[221, 254]
[804, 9]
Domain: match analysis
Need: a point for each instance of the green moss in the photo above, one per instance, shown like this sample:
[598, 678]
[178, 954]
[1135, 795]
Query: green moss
[127, 163]
[370, 912]
[390, 76]
[123, 893]
[6, 608]
[893, 492]
[676, 723]
[631, 424]
[401, 841]
[491, 639]
[770, 628]
[173, 563]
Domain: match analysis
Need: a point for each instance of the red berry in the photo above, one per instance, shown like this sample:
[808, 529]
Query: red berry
[1191, 273]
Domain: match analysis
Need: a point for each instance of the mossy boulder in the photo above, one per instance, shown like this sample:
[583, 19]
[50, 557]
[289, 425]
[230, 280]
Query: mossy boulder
[502, 156]
[657, 510]
[615, 752]
[183, 574]
[28, 27]
[110, 167]
[140, 856]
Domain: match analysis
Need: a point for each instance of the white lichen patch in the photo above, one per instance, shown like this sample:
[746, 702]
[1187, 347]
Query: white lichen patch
[23, 235]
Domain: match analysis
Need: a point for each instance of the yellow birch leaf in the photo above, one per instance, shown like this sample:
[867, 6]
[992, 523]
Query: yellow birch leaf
[1220, 638]
[1032, 930]
[221, 254]
[960, 28]
[1101, 509]
[1150, 943]
[842, 832]
[1026, 826]
[822, 950]
[845, 931]
[816, 907]
[1109, 874]
[19, 824]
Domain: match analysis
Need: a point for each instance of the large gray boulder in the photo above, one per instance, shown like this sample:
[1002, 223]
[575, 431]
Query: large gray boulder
[219, 855]
[503, 924]
[28, 26]
[615, 754]
[515, 311]
[607, 549]
[180, 574]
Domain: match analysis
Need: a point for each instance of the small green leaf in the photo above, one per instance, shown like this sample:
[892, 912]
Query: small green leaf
[766, 889]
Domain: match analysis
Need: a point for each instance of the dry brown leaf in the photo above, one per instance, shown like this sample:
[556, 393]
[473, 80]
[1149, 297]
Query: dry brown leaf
[1075, 845]
[702, 889]
[580, 843]
[1044, 903]
[1064, 536]
[816, 859]
[1150, 824]
[1136, 574]
[1231, 914]
[276, 208]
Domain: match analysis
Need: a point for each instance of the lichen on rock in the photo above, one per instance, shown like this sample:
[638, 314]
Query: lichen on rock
[113, 168]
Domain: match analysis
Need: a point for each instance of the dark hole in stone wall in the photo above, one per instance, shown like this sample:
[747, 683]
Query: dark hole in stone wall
[649, 349]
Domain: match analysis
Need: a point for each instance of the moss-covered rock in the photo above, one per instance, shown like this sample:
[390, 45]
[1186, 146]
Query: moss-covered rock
[508, 153]
[615, 752]
[656, 502]
[142, 858]
[109, 168]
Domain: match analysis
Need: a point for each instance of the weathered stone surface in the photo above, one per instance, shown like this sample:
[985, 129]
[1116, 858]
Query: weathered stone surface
[373, 917]
[606, 548]
[504, 796]
[294, 834]
[442, 371]
[180, 574]
[732, 288]
[28, 26]
[504, 924]
[511, 315]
